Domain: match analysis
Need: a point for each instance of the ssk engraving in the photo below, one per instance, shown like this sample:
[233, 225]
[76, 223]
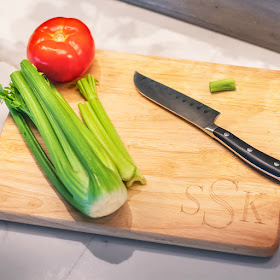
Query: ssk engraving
[217, 193]
[190, 197]
[223, 203]
[251, 204]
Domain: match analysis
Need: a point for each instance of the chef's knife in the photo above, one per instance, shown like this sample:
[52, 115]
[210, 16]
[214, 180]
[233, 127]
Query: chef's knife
[204, 117]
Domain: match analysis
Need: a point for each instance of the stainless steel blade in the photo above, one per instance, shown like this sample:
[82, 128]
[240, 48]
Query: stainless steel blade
[176, 102]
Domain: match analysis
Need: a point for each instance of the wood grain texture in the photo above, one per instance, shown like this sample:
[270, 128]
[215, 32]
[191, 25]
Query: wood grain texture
[198, 193]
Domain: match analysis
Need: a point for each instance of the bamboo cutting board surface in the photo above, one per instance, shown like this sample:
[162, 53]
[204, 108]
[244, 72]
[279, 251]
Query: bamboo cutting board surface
[198, 193]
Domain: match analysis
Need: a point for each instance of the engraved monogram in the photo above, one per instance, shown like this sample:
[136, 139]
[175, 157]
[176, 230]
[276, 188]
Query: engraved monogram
[248, 204]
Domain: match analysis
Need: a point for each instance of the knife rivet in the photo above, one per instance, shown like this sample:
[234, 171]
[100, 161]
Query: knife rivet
[226, 134]
[276, 163]
[250, 150]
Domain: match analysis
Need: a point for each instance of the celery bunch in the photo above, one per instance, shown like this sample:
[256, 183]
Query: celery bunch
[86, 165]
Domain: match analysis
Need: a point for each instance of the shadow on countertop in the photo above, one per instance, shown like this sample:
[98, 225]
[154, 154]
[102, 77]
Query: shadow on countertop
[115, 250]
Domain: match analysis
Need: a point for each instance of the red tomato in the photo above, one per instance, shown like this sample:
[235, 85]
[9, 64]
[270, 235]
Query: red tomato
[61, 48]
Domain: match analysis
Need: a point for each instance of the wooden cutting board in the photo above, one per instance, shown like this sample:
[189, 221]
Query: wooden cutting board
[198, 193]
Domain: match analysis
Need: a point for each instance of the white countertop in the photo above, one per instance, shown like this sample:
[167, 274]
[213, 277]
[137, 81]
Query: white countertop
[38, 253]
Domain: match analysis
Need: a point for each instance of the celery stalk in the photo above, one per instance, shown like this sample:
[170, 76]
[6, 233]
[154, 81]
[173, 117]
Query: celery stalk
[125, 167]
[88, 89]
[41, 157]
[222, 85]
[92, 141]
[57, 154]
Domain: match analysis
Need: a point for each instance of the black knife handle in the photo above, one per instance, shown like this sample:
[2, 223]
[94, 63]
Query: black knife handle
[258, 159]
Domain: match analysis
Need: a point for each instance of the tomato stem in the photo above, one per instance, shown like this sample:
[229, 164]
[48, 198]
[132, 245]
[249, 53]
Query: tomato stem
[59, 37]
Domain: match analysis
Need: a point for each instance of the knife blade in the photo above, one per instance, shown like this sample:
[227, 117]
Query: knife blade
[204, 117]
